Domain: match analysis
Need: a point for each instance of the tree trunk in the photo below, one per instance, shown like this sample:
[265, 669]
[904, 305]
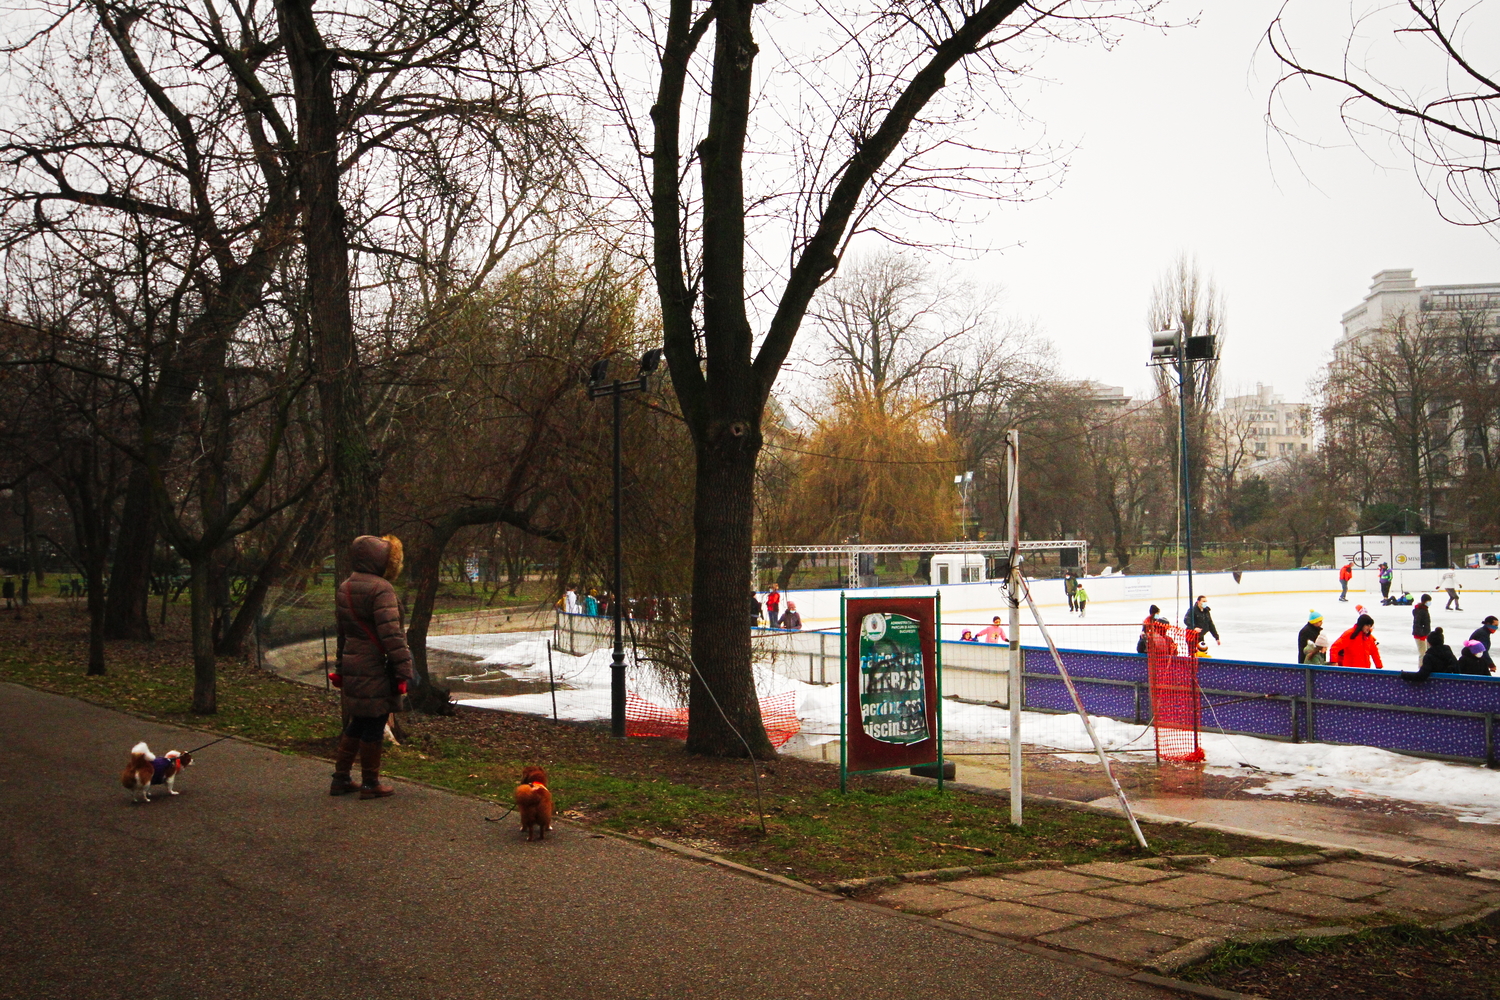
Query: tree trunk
[125, 614]
[276, 566]
[232, 642]
[205, 667]
[723, 513]
[354, 465]
[424, 566]
[33, 561]
[789, 569]
[94, 570]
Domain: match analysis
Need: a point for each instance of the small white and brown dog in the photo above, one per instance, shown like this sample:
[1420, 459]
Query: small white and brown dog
[146, 769]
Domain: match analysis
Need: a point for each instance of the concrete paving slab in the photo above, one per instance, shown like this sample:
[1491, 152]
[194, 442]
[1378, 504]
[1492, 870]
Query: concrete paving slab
[1063, 881]
[993, 887]
[918, 898]
[1159, 895]
[1082, 904]
[1361, 871]
[1117, 872]
[1013, 919]
[1244, 916]
[1235, 868]
[1327, 885]
[1308, 904]
[1449, 885]
[1425, 905]
[1121, 944]
[1179, 925]
[1224, 890]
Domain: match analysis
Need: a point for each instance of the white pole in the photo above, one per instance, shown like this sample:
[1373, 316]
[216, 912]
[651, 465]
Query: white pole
[1083, 714]
[1013, 584]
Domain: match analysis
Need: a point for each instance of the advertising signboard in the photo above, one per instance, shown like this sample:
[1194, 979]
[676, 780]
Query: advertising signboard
[1369, 551]
[891, 689]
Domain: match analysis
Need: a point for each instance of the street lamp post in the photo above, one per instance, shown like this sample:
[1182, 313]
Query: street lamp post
[963, 482]
[616, 388]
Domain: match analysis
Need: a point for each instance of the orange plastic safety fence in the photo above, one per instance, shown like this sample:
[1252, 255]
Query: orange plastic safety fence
[643, 718]
[1172, 663]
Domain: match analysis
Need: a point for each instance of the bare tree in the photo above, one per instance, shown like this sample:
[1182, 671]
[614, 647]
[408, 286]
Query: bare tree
[1307, 503]
[1230, 447]
[1415, 72]
[1391, 412]
[251, 133]
[1184, 300]
[882, 135]
[496, 432]
[888, 329]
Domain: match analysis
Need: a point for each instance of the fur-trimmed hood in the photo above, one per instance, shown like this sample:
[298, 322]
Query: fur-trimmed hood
[377, 556]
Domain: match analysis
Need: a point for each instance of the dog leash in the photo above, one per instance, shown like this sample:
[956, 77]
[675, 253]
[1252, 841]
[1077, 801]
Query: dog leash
[496, 819]
[210, 743]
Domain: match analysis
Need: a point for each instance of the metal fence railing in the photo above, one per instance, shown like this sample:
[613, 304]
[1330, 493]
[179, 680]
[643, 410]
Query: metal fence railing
[812, 657]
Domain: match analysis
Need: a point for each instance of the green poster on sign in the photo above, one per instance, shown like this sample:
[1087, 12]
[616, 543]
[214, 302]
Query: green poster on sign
[892, 692]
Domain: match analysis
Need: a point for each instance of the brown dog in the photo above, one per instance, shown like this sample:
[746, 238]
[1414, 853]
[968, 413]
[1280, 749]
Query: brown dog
[534, 801]
[146, 769]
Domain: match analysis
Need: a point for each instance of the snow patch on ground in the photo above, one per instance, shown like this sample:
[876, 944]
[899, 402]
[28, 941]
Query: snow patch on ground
[1471, 792]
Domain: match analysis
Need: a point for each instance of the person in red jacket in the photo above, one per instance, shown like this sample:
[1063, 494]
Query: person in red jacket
[1345, 575]
[1356, 647]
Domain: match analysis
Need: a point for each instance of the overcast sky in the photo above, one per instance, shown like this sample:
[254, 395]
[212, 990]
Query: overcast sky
[1175, 156]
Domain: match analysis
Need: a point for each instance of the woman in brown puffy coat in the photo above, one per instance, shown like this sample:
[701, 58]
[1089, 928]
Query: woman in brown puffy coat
[374, 664]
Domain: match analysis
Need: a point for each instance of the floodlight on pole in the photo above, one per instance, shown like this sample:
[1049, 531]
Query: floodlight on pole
[1171, 348]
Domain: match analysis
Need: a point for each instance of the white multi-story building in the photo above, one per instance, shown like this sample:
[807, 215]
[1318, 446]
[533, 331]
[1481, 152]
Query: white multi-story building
[1265, 428]
[1438, 345]
[1105, 397]
[1394, 292]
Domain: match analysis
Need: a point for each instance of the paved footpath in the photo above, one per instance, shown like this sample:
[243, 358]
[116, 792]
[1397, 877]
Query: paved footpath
[255, 883]
[1164, 914]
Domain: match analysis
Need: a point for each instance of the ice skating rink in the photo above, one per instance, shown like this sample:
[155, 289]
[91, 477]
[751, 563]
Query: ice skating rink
[1257, 617]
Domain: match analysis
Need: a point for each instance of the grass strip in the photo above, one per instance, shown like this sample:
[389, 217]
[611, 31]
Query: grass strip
[647, 787]
[1405, 960]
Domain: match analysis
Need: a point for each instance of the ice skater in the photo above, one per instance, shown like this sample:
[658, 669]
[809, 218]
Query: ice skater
[1315, 653]
[1080, 597]
[1385, 576]
[1200, 617]
[1070, 588]
[1438, 659]
[1421, 626]
[1309, 633]
[1357, 647]
[1484, 632]
[995, 632]
[1153, 622]
[1345, 575]
[1449, 582]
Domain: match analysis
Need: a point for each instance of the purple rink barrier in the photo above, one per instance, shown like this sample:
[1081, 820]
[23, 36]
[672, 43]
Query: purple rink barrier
[1447, 716]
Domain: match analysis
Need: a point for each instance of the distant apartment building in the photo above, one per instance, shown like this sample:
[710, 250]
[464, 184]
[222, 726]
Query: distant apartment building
[1266, 429]
[1106, 397]
[1435, 344]
[1394, 292]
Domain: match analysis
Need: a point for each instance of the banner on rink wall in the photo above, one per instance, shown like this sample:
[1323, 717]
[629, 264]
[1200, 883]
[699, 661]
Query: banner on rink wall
[1369, 551]
[892, 715]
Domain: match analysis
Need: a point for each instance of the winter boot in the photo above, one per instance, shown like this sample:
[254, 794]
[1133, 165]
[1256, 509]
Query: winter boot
[343, 760]
[369, 764]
